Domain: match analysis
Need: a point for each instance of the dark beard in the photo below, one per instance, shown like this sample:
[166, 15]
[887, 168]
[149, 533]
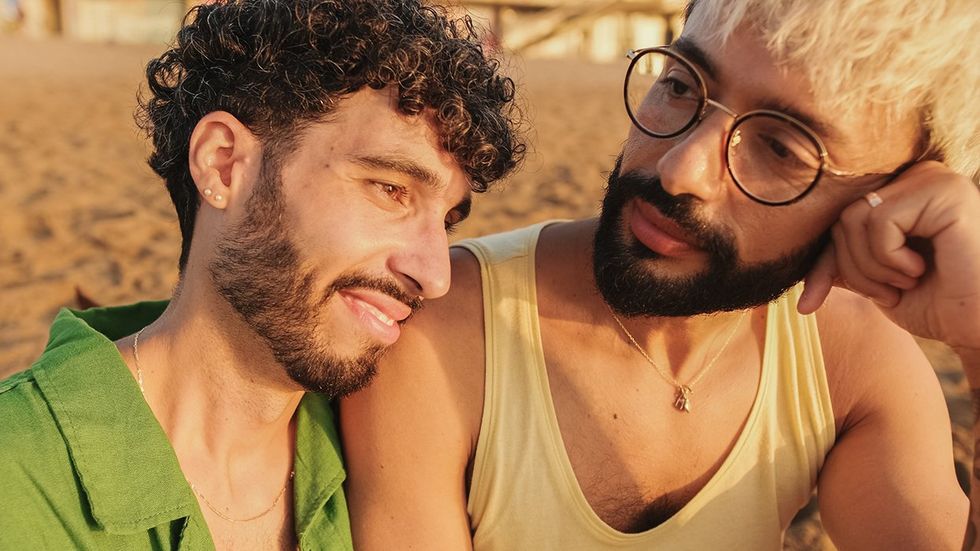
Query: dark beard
[257, 269]
[626, 273]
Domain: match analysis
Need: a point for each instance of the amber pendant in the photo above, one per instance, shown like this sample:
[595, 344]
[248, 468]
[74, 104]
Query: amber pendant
[682, 400]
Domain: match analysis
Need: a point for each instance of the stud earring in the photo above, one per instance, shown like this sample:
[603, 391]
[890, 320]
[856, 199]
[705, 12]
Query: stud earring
[207, 192]
[218, 198]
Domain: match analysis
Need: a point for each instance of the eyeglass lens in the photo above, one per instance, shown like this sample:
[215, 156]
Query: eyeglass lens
[770, 158]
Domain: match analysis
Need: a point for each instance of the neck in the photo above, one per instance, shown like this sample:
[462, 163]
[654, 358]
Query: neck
[682, 345]
[686, 345]
[220, 396]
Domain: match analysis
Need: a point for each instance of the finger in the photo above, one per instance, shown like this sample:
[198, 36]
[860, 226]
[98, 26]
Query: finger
[882, 294]
[926, 201]
[818, 281]
[854, 223]
[888, 242]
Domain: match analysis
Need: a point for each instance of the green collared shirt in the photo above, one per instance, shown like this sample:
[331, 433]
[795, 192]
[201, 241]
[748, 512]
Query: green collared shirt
[84, 464]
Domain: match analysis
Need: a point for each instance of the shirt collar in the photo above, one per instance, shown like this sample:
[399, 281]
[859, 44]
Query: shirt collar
[319, 473]
[126, 465]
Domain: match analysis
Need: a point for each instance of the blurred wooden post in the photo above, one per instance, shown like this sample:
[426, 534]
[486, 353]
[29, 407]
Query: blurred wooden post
[53, 16]
[497, 26]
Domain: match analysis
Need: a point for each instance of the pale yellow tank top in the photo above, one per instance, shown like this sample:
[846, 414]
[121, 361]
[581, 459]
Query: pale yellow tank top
[524, 494]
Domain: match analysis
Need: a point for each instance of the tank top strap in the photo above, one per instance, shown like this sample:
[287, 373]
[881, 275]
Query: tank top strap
[523, 493]
[516, 378]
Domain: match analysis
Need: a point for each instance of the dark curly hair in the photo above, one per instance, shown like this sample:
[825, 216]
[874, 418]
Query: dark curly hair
[280, 65]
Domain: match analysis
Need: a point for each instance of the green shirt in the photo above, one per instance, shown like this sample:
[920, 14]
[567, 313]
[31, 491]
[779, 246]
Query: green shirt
[84, 464]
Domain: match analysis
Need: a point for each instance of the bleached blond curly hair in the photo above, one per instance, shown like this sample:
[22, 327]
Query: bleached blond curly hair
[910, 56]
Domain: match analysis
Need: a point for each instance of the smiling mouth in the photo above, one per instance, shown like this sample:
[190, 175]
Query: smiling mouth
[378, 314]
[382, 317]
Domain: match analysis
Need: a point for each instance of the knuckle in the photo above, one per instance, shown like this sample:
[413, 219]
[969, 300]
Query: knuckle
[837, 232]
[852, 214]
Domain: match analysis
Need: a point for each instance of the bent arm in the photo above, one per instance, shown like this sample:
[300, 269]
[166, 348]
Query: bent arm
[889, 482]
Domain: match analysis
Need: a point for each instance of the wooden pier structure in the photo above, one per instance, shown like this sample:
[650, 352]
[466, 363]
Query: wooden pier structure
[597, 30]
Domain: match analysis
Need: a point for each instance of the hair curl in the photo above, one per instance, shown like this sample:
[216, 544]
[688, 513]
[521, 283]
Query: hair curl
[280, 65]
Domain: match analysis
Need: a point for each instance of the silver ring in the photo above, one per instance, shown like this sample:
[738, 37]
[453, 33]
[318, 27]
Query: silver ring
[873, 199]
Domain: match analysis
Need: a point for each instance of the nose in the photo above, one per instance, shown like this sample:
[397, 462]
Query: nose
[695, 162]
[423, 262]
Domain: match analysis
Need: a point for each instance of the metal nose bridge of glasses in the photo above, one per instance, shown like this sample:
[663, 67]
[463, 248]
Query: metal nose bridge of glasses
[733, 137]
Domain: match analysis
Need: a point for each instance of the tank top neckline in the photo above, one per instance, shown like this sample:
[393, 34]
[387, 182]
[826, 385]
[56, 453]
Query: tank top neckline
[559, 453]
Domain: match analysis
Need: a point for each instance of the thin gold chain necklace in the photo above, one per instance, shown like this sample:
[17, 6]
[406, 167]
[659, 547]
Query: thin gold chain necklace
[282, 492]
[682, 398]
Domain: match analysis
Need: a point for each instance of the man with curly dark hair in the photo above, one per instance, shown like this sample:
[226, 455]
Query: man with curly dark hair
[317, 154]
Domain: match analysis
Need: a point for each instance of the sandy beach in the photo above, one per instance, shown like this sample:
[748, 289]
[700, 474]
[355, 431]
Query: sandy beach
[82, 209]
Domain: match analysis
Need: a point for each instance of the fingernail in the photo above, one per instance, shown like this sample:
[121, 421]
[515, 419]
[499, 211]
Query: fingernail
[904, 284]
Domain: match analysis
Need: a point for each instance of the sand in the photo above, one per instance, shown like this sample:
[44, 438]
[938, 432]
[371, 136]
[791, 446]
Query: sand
[82, 210]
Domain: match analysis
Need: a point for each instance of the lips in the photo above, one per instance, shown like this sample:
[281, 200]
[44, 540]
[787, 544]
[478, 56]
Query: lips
[378, 312]
[657, 232]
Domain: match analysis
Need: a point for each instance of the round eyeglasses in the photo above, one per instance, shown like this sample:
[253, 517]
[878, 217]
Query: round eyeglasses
[772, 157]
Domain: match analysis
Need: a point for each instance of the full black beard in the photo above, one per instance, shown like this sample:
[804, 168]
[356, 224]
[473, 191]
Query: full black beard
[257, 269]
[626, 272]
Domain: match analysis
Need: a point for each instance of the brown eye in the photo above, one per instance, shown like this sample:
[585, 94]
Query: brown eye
[393, 191]
[453, 218]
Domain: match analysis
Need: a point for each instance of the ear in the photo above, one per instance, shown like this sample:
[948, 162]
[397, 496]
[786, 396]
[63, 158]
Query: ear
[223, 152]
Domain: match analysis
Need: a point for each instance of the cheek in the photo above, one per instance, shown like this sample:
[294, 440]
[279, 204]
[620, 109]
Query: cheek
[774, 234]
[641, 152]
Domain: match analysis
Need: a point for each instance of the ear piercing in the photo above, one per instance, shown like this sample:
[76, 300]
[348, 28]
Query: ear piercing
[208, 193]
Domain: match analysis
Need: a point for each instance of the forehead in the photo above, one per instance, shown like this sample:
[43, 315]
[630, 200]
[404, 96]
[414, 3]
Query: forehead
[366, 138]
[369, 120]
[747, 74]
[743, 70]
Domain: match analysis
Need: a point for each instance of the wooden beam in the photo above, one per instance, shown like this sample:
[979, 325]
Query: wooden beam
[657, 6]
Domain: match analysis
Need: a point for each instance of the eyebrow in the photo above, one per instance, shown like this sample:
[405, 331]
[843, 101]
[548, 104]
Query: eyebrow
[410, 168]
[694, 53]
[401, 165]
[825, 130]
[690, 50]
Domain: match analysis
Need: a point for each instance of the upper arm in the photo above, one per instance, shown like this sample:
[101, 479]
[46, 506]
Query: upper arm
[409, 435]
[889, 481]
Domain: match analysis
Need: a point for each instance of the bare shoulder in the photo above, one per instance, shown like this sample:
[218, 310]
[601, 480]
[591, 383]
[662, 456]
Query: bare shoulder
[872, 364]
[888, 482]
[437, 362]
[408, 436]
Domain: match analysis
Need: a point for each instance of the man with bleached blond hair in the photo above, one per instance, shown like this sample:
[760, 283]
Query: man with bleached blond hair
[659, 377]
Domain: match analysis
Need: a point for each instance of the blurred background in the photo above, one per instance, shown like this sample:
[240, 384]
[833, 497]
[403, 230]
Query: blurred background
[598, 30]
[84, 218]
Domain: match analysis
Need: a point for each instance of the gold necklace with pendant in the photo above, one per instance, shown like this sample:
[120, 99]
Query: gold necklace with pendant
[682, 397]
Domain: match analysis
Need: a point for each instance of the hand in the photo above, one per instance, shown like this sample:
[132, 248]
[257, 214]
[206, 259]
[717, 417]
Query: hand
[916, 255]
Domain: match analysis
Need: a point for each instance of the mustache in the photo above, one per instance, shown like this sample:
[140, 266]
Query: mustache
[680, 209]
[358, 280]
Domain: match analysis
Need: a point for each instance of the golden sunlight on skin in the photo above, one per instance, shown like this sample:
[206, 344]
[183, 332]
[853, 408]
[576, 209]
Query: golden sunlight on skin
[694, 163]
[397, 234]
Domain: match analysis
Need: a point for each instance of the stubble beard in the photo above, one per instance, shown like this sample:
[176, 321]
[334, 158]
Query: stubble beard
[258, 270]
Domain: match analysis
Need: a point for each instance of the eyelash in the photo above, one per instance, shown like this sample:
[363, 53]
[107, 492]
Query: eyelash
[451, 227]
[396, 192]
